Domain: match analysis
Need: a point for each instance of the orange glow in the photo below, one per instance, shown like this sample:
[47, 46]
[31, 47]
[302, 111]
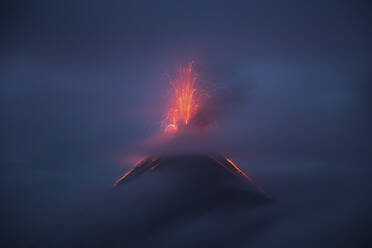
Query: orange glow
[185, 98]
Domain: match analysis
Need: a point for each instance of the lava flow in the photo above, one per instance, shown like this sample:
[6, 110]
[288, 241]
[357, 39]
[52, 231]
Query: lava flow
[185, 104]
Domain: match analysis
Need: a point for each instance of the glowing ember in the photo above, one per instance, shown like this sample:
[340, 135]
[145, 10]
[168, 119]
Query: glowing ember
[185, 99]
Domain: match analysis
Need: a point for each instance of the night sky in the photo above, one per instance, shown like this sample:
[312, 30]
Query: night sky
[82, 82]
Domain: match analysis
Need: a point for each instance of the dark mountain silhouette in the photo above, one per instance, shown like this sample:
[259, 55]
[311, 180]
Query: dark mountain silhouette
[215, 178]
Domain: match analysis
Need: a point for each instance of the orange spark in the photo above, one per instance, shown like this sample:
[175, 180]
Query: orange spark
[184, 100]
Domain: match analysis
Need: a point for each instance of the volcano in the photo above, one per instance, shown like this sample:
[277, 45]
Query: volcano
[216, 177]
[183, 184]
[208, 178]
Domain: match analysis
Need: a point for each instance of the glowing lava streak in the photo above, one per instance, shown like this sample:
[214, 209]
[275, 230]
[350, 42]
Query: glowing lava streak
[238, 169]
[184, 100]
[241, 172]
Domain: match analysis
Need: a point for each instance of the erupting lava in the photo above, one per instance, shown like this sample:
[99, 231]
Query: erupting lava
[185, 99]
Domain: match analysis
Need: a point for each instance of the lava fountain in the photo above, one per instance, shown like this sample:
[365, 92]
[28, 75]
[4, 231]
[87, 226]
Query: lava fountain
[185, 99]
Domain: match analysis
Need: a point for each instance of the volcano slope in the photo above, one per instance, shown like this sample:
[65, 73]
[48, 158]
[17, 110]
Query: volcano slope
[212, 180]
